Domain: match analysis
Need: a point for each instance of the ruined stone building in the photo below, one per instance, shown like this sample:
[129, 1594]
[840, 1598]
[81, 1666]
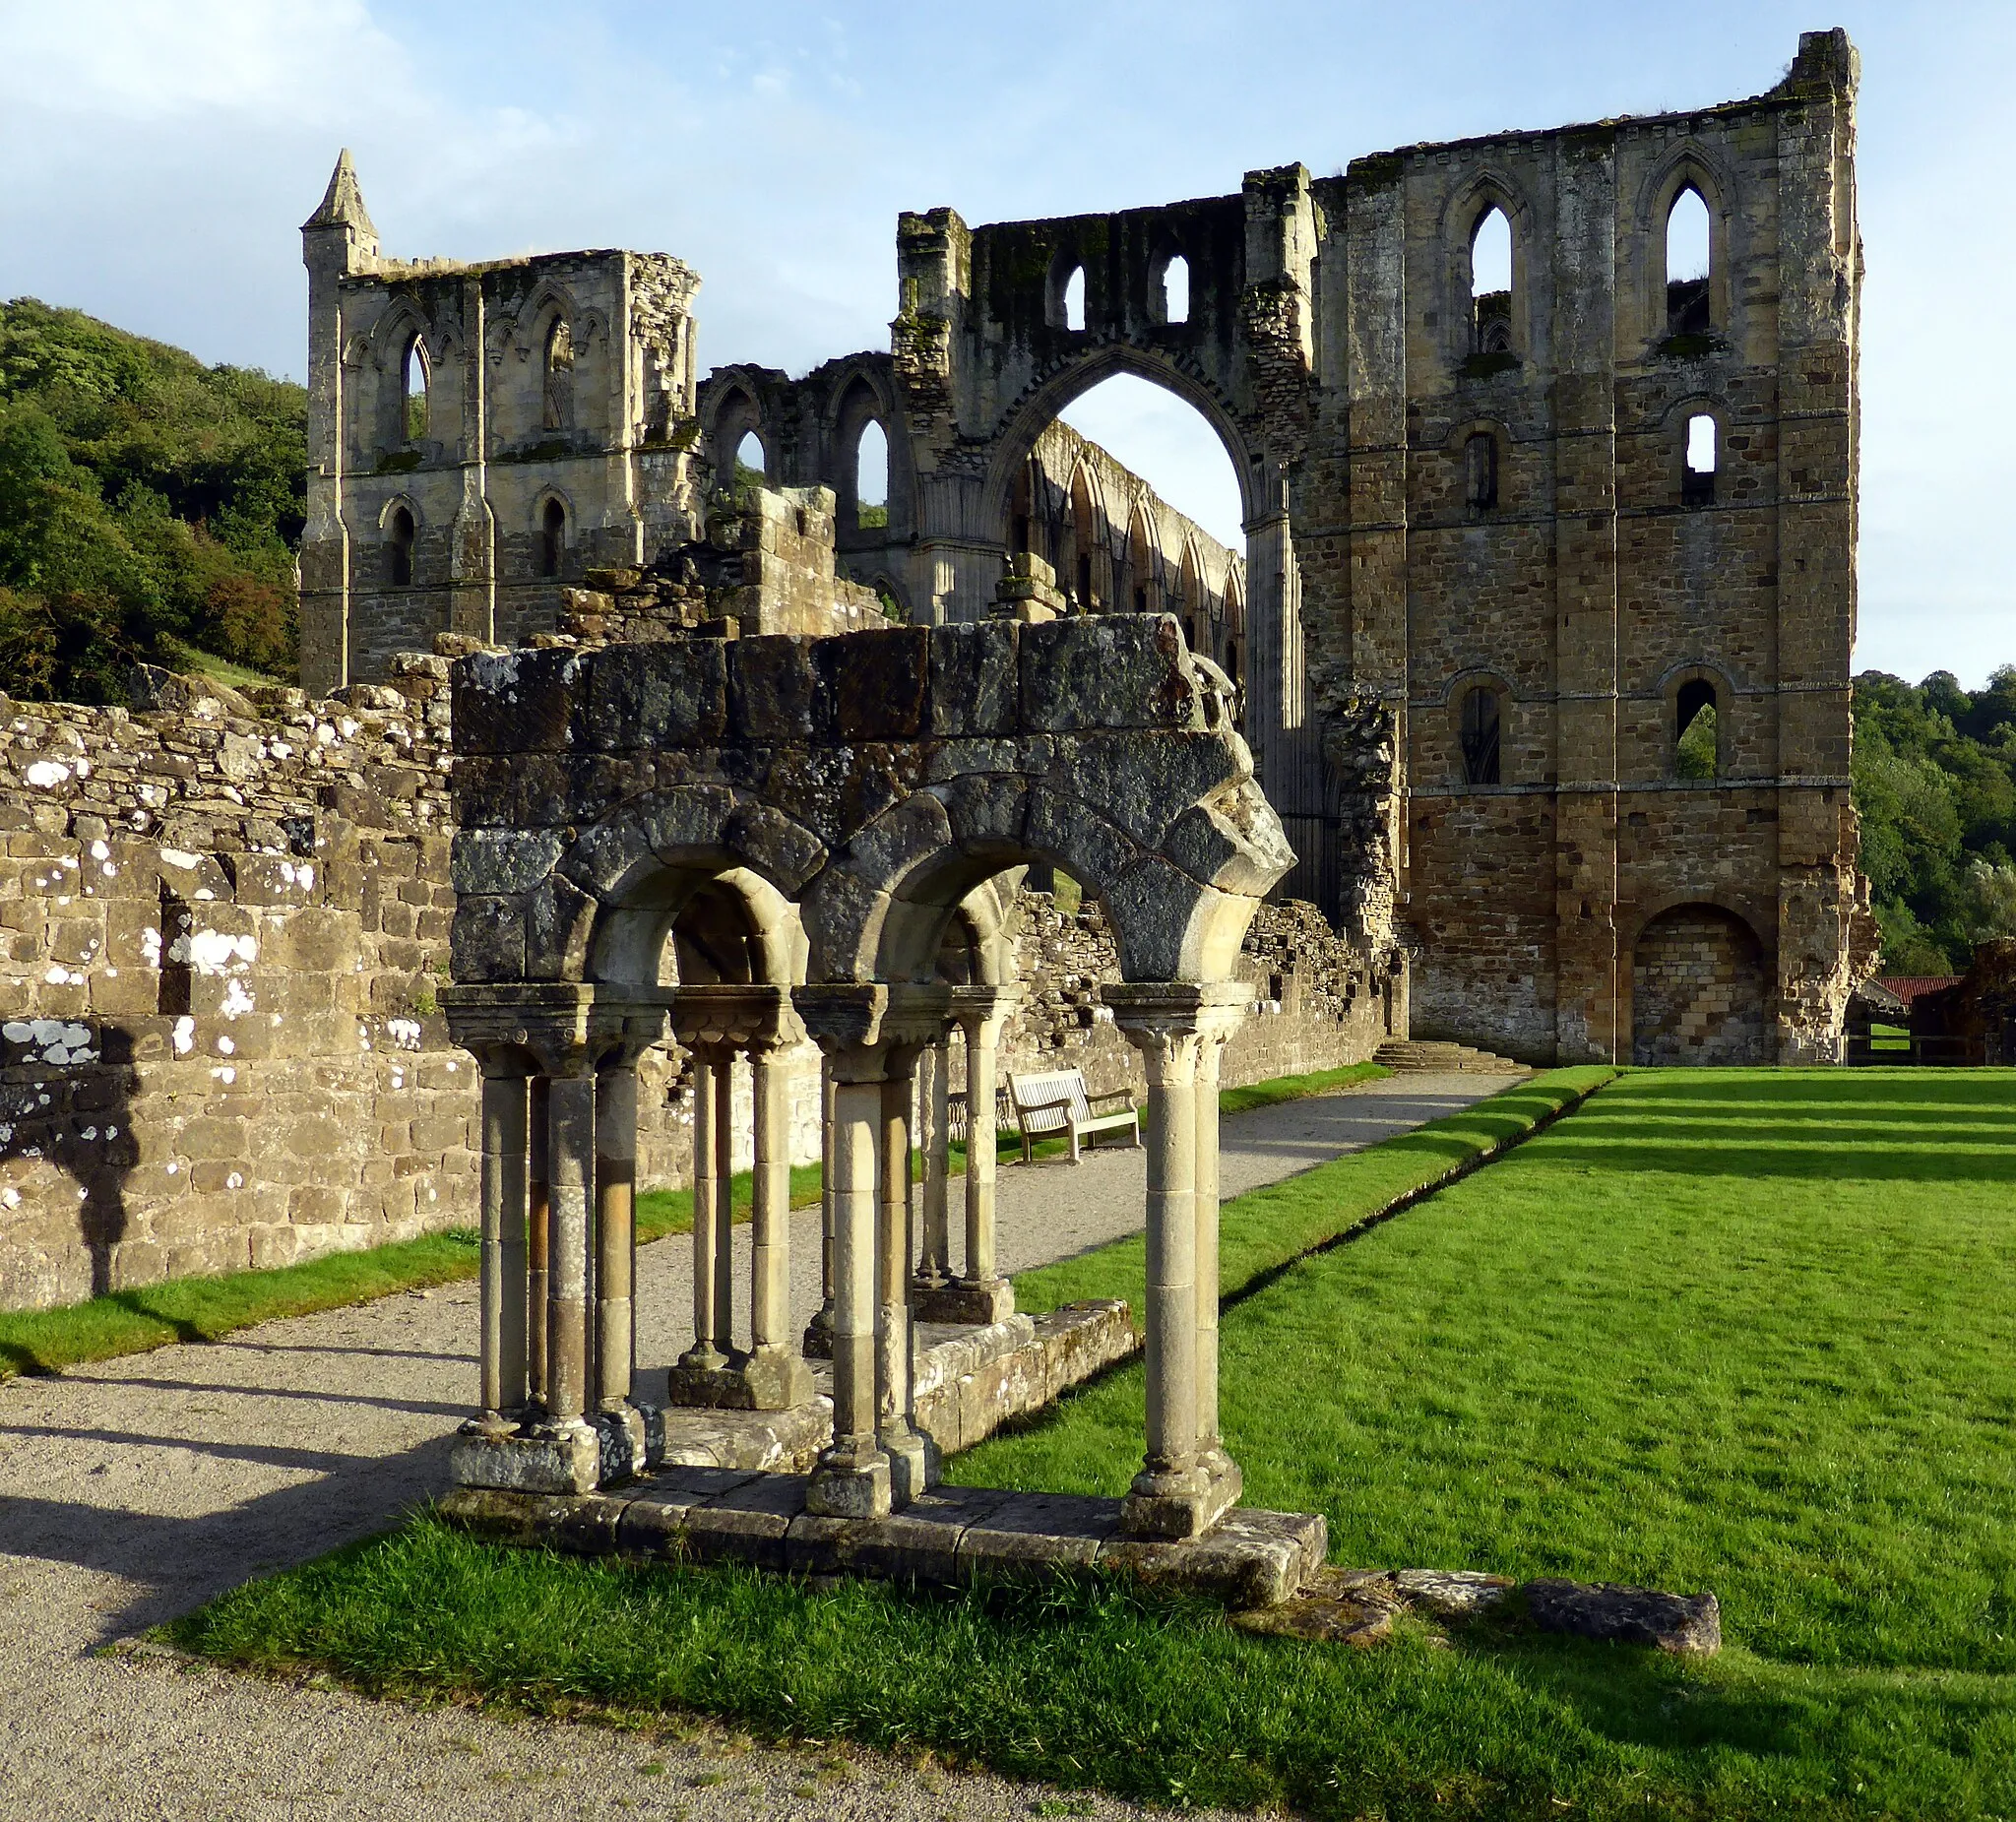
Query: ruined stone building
[1504, 545]
[1540, 638]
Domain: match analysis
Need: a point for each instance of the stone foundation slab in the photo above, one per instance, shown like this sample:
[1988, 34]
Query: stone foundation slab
[951, 1536]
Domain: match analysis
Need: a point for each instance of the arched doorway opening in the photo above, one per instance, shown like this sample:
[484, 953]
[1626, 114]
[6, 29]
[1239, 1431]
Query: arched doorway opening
[1698, 982]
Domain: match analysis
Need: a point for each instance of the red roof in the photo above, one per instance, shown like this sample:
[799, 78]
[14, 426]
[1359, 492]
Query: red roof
[1908, 987]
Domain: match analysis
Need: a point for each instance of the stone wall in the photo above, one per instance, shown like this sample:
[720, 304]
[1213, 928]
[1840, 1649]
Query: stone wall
[1697, 990]
[220, 924]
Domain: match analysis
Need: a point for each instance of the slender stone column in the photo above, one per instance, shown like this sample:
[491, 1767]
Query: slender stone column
[934, 1121]
[1187, 1482]
[724, 1202]
[571, 1153]
[776, 1374]
[818, 1342]
[980, 1295]
[538, 1221]
[912, 1459]
[851, 1479]
[704, 1357]
[615, 1229]
[503, 1286]
[1172, 1349]
[1210, 1050]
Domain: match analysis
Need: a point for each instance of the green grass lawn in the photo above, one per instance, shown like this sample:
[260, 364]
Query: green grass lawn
[1741, 1330]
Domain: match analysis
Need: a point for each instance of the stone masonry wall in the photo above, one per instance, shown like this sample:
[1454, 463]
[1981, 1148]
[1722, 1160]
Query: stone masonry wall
[1697, 990]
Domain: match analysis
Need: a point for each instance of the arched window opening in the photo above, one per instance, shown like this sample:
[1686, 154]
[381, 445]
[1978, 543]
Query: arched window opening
[1490, 282]
[1176, 290]
[553, 537]
[1696, 731]
[752, 462]
[1697, 478]
[399, 548]
[1141, 597]
[1480, 471]
[871, 478]
[1479, 736]
[412, 386]
[1074, 298]
[1688, 254]
[558, 408]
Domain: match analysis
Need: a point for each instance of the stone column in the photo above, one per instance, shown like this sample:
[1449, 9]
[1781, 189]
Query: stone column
[706, 1358]
[618, 1416]
[569, 1129]
[503, 1285]
[539, 1218]
[934, 1121]
[1187, 1482]
[1209, 1051]
[981, 1294]
[912, 1457]
[774, 1373]
[851, 1479]
[724, 1202]
[818, 1341]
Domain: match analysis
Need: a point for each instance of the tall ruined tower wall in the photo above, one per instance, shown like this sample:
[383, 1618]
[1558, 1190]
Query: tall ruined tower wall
[1590, 900]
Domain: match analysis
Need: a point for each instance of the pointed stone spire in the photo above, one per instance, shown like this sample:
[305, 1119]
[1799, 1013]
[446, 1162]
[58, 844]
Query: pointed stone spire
[343, 205]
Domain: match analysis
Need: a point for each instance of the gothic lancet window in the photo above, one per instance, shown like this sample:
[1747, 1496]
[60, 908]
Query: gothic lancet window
[1490, 283]
[557, 412]
[1479, 734]
[553, 537]
[1480, 471]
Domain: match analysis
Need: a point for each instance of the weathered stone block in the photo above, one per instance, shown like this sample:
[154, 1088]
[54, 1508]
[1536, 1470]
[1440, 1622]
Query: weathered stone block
[1679, 1623]
[675, 694]
[515, 702]
[879, 683]
[1108, 671]
[777, 693]
[976, 679]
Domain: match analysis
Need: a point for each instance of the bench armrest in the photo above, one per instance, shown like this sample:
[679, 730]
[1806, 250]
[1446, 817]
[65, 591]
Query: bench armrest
[1121, 1094]
[1042, 1106]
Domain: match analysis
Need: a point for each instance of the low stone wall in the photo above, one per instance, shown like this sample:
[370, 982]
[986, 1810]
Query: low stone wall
[220, 923]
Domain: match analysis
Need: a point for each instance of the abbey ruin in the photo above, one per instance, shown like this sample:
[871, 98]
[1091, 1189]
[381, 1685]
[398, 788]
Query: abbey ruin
[1504, 548]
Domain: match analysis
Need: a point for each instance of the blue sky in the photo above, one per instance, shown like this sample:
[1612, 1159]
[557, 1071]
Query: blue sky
[159, 159]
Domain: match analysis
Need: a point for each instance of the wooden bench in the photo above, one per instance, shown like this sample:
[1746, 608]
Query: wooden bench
[1055, 1101]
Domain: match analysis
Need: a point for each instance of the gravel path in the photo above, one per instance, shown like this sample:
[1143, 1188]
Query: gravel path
[134, 1490]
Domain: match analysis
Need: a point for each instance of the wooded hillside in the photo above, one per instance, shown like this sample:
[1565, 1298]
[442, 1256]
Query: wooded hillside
[1936, 782]
[146, 501]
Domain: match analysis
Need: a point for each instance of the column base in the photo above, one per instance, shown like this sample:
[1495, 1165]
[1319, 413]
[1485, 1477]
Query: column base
[849, 1481]
[565, 1458]
[914, 1464]
[626, 1431]
[768, 1379]
[818, 1341]
[982, 1302]
[1183, 1501]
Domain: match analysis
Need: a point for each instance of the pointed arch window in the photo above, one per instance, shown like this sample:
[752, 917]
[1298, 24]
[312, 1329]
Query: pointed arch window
[1689, 250]
[752, 462]
[1697, 730]
[1479, 734]
[558, 411]
[1703, 456]
[399, 547]
[1480, 471]
[1176, 289]
[553, 537]
[412, 386]
[1072, 299]
[1490, 282]
[871, 478]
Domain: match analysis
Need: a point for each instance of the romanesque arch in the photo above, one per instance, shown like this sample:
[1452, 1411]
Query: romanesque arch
[735, 841]
[1699, 981]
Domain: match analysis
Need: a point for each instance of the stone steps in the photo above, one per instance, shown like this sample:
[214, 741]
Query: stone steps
[1434, 1057]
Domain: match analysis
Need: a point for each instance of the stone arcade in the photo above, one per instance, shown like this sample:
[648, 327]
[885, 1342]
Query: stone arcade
[799, 822]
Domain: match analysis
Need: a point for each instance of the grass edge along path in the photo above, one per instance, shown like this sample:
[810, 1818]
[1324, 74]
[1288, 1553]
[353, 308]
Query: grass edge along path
[209, 1308]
